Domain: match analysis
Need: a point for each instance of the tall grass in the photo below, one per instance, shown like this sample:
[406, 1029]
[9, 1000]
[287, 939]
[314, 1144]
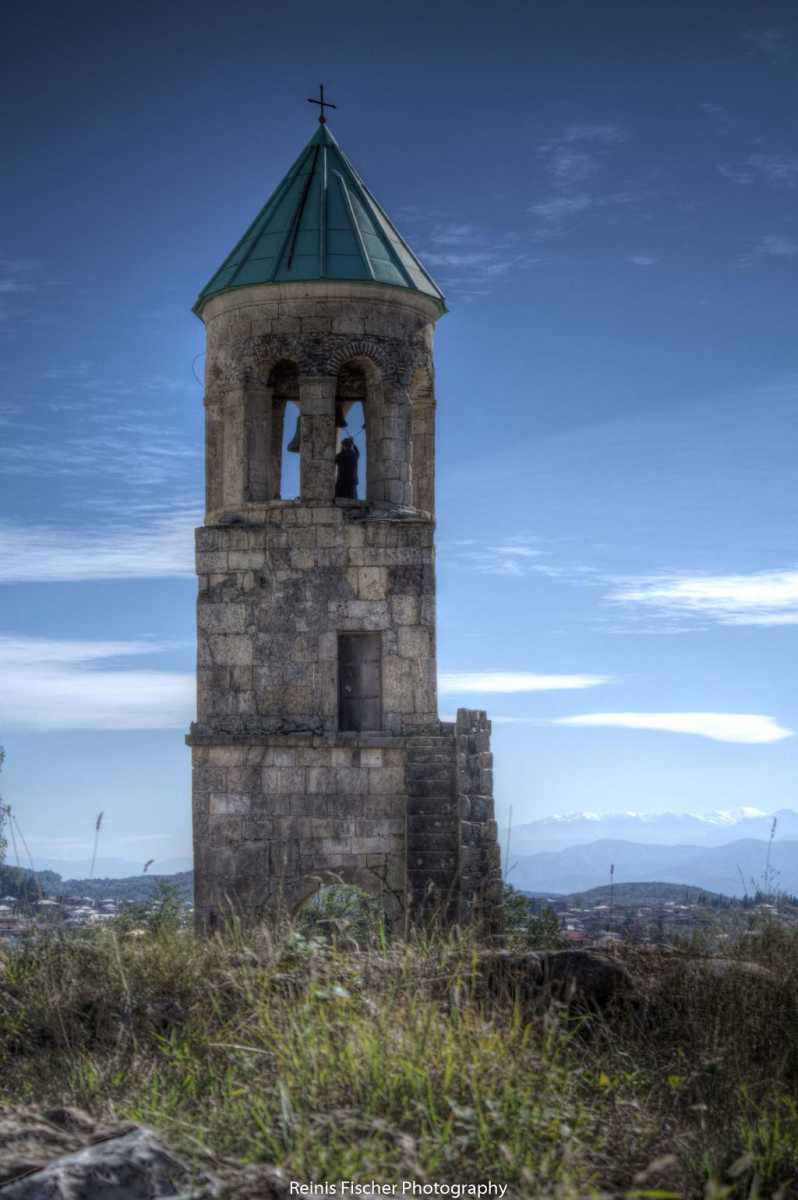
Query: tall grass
[342, 1057]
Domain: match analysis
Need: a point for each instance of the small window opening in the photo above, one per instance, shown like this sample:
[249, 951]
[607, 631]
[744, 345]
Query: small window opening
[359, 682]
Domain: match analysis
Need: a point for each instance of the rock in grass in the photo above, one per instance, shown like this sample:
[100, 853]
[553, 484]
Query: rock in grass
[133, 1166]
[730, 969]
[579, 977]
[28, 1141]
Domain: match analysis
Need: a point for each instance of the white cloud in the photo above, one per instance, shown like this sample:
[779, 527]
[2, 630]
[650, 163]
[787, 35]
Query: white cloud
[127, 451]
[453, 233]
[568, 166]
[773, 169]
[151, 549]
[764, 598]
[770, 42]
[642, 260]
[56, 685]
[777, 244]
[578, 154]
[555, 211]
[746, 728]
[517, 558]
[13, 290]
[455, 683]
[482, 263]
[604, 135]
[558, 208]
[471, 259]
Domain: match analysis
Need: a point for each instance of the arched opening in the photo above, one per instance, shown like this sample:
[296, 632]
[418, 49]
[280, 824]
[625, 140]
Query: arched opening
[352, 446]
[339, 911]
[284, 384]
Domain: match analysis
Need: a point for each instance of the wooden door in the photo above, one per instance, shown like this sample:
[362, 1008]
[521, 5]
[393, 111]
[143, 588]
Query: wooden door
[359, 682]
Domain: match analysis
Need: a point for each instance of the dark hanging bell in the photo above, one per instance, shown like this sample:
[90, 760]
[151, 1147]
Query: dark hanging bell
[296, 440]
[340, 419]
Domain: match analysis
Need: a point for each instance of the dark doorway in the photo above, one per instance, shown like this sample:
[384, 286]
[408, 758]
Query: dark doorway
[359, 682]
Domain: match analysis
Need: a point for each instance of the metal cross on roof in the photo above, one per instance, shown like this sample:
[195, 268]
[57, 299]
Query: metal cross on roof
[322, 104]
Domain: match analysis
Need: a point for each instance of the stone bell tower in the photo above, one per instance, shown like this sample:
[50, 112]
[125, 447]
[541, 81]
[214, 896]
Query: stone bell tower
[318, 753]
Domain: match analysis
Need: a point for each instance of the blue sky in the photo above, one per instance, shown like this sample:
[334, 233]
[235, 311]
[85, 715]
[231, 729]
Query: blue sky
[607, 194]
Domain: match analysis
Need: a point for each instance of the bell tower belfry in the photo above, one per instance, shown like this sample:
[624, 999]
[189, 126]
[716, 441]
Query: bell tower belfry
[318, 754]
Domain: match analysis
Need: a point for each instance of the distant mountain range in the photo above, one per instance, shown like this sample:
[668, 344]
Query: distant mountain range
[572, 853]
[623, 895]
[731, 869]
[661, 829]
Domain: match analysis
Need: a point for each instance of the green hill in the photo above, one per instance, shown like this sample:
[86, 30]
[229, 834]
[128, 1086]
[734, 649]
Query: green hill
[629, 894]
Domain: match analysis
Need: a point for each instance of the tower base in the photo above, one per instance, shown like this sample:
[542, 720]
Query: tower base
[407, 818]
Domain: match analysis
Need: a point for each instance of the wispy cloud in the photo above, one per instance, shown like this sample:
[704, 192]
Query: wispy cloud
[58, 685]
[777, 244]
[154, 548]
[775, 170]
[716, 114]
[605, 134]
[514, 558]
[128, 451]
[578, 152]
[471, 258]
[747, 728]
[455, 683]
[773, 43]
[679, 601]
[16, 286]
[762, 598]
[643, 260]
[571, 160]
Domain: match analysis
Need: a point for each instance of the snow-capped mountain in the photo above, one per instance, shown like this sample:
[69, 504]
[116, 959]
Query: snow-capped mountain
[714, 828]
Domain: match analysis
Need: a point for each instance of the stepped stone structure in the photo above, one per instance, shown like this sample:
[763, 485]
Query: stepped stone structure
[318, 753]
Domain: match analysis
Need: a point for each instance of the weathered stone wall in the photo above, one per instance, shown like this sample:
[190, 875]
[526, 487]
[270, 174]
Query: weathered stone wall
[273, 598]
[283, 798]
[319, 329]
[479, 862]
[275, 817]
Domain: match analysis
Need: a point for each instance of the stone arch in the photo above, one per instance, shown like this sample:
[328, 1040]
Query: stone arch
[422, 440]
[359, 348]
[302, 891]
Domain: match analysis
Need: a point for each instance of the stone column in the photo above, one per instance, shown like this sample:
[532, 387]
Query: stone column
[258, 417]
[391, 458]
[234, 472]
[214, 453]
[279, 409]
[422, 475]
[317, 408]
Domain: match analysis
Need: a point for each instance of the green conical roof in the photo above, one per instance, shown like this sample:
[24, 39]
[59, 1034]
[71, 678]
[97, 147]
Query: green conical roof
[322, 222]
